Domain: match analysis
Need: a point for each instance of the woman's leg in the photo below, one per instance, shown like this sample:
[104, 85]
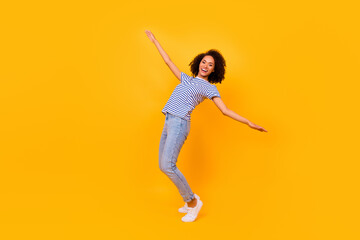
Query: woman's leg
[162, 143]
[176, 130]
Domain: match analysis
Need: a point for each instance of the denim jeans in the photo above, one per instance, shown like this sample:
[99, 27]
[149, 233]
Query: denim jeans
[173, 136]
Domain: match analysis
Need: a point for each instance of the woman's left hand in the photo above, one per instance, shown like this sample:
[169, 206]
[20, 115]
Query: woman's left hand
[257, 127]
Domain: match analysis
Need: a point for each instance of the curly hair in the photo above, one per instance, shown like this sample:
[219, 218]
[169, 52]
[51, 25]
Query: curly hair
[218, 75]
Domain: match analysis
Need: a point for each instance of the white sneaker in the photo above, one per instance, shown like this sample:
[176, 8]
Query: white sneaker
[184, 209]
[192, 212]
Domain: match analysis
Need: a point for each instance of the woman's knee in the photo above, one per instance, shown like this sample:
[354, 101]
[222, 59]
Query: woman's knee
[167, 168]
[163, 166]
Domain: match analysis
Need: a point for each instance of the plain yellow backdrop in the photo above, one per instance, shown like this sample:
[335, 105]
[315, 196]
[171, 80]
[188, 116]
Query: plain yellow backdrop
[82, 89]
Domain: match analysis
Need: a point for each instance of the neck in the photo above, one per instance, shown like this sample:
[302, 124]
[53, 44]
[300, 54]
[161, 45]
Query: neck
[205, 78]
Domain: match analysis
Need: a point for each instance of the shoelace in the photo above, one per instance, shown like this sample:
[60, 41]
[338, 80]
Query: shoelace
[190, 214]
[191, 210]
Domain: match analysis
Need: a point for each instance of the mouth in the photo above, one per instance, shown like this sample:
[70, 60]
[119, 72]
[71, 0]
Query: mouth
[204, 70]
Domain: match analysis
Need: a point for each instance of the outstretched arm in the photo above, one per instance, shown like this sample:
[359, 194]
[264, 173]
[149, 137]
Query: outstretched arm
[227, 112]
[164, 55]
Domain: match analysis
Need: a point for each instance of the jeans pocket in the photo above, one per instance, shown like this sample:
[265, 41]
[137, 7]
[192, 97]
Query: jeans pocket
[186, 128]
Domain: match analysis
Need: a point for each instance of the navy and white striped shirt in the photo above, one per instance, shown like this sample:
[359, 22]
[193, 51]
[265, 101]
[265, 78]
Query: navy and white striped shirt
[188, 94]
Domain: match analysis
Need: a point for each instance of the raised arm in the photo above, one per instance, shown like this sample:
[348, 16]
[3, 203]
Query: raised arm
[164, 55]
[227, 112]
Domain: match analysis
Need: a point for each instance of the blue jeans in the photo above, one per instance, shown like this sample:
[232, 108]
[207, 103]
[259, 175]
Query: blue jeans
[173, 136]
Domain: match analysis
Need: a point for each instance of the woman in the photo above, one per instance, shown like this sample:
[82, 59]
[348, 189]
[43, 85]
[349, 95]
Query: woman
[208, 68]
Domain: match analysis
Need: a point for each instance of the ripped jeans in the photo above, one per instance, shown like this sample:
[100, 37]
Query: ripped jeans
[173, 136]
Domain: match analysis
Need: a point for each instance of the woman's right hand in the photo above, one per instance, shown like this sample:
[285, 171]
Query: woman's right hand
[150, 35]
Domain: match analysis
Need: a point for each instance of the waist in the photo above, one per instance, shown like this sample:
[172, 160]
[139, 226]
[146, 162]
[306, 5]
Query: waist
[170, 115]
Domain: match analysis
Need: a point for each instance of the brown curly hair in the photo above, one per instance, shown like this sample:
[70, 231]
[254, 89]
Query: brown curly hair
[218, 75]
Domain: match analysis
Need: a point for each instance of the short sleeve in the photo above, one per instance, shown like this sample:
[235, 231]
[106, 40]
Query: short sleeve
[185, 78]
[212, 92]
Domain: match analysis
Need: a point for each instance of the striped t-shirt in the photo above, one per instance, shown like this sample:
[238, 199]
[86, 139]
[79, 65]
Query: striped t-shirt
[188, 94]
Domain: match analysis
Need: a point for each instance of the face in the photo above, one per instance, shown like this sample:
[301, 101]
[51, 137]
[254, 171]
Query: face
[206, 66]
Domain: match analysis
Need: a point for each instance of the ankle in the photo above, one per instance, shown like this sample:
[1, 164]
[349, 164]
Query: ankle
[192, 203]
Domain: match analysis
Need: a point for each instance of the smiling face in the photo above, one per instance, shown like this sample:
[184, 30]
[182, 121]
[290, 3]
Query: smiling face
[206, 66]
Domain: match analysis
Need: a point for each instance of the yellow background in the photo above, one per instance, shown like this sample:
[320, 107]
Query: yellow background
[82, 89]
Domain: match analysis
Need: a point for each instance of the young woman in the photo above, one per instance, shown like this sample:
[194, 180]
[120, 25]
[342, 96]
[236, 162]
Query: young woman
[206, 68]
